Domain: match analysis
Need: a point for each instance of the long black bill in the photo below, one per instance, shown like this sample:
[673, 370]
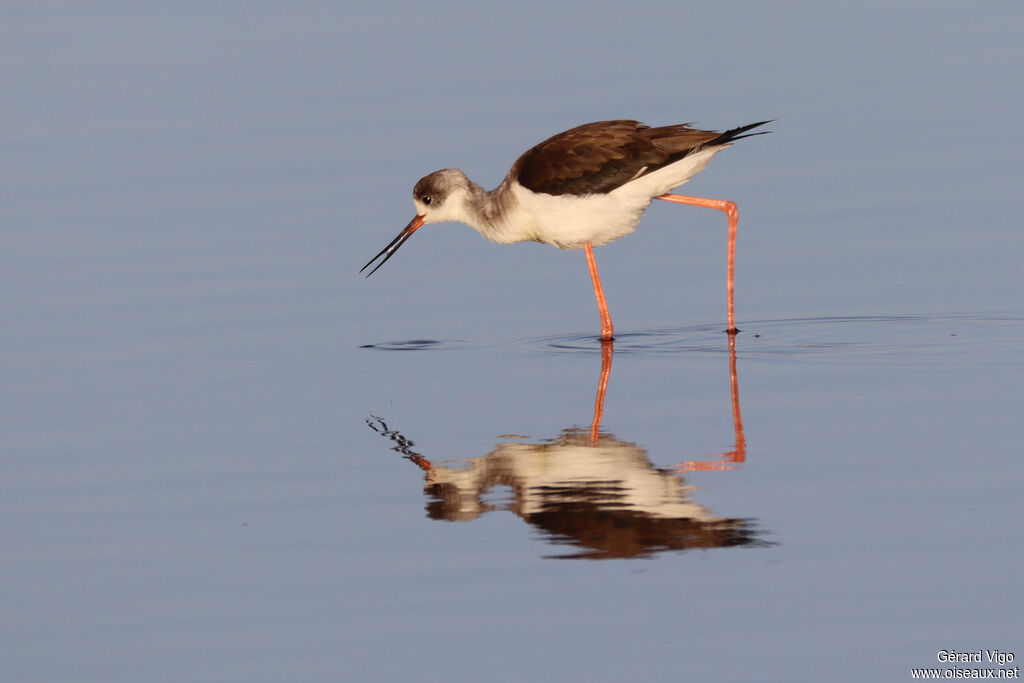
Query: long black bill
[388, 251]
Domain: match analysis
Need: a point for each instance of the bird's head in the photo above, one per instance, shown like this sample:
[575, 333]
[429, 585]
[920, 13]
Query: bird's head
[439, 197]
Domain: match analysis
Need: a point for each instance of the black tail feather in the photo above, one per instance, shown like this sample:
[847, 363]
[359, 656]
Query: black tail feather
[737, 133]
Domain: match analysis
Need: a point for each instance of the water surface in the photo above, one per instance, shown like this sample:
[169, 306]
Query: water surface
[217, 466]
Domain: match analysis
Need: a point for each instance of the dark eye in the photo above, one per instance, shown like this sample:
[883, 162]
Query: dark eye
[427, 199]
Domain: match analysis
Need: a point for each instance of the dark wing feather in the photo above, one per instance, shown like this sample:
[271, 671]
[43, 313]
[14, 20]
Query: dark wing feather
[596, 158]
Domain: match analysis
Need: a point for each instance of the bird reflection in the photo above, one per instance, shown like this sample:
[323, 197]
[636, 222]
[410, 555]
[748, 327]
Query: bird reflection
[586, 488]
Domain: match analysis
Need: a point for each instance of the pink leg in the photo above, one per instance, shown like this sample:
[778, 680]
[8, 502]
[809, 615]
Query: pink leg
[602, 307]
[730, 266]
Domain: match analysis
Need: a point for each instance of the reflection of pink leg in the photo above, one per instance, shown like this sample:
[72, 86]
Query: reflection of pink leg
[730, 265]
[602, 387]
[602, 307]
[740, 454]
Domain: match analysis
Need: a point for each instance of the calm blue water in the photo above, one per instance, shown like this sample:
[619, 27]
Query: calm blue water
[227, 456]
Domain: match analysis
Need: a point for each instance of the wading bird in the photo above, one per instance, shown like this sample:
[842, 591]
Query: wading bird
[580, 189]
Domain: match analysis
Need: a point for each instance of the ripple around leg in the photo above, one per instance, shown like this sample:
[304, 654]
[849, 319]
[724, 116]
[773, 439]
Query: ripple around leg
[917, 338]
[696, 338]
[922, 338]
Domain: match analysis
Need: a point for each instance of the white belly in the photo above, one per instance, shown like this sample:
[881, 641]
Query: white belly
[569, 221]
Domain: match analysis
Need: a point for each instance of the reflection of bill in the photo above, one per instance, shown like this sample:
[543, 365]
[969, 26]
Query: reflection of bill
[585, 488]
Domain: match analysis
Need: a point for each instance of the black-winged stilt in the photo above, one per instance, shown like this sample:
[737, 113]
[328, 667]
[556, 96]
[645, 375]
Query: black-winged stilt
[580, 189]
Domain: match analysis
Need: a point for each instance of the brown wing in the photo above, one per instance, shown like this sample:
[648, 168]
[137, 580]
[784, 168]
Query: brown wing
[596, 158]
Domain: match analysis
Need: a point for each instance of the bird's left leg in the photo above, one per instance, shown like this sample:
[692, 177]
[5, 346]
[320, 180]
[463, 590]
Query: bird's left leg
[730, 265]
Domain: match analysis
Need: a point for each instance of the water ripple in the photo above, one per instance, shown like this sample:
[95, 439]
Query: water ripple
[921, 337]
[412, 345]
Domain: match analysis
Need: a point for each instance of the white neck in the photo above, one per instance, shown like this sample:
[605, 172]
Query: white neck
[495, 214]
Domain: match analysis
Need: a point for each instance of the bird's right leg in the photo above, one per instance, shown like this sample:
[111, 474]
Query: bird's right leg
[602, 307]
